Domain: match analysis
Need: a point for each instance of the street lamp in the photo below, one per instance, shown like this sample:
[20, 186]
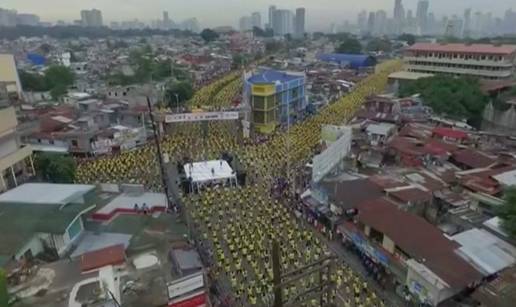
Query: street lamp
[177, 102]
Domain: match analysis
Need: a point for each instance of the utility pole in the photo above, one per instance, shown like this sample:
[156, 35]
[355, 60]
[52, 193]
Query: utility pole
[276, 271]
[160, 155]
[323, 288]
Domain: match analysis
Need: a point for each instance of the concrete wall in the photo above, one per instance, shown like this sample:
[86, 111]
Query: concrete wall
[388, 244]
[426, 285]
[8, 121]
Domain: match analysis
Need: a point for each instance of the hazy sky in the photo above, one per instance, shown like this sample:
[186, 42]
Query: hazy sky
[320, 13]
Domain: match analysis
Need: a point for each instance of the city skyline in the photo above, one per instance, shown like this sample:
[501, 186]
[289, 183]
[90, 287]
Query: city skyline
[321, 14]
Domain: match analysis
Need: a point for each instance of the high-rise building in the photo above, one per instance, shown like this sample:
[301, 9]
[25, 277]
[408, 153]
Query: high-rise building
[422, 15]
[299, 23]
[7, 18]
[245, 23]
[371, 22]
[272, 9]
[454, 27]
[166, 20]
[399, 16]
[256, 19]
[467, 23]
[362, 22]
[27, 19]
[282, 22]
[380, 22]
[91, 18]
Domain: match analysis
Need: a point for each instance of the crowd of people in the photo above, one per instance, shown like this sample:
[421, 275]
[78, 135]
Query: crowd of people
[235, 223]
[237, 226]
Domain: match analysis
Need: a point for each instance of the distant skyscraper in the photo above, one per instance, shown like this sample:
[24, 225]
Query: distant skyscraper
[380, 22]
[362, 22]
[91, 18]
[246, 23]
[282, 22]
[27, 19]
[454, 27]
[422, 15]
[371, 22]
[467, 23]
[7, 18]
[272, 9]
[256, 19]
[399, 16]
[299, 23]
[166, 20]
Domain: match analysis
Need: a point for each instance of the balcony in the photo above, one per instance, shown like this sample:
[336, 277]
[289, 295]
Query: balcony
[490, 63]
[15, 157]
[501, 74]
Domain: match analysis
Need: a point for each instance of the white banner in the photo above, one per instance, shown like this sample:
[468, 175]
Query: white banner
[185, 285]
[328, 159]
[201, 116]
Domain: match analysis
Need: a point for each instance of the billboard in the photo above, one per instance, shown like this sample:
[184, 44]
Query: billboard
[331, 133]
[329, 158]
[188, 291]
[200, 116]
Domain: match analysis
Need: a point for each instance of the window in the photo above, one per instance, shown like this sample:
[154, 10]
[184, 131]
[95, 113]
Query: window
[74, 143]
[376, 236]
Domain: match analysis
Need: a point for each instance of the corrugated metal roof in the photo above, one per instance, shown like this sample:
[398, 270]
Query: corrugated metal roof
[485, 251]
[464, 48]
[272, 76]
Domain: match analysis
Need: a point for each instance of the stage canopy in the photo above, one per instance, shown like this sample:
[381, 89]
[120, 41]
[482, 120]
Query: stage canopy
[206, 171]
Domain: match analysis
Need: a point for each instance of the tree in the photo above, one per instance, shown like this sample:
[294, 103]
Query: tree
[379, 44]
[507, 212]
[258, 32]
[178, 92]
[59, 75]
[209, 35]
[349, 45]
[409, 38]
[4, 295]
[32, 82]
[55, 168]
[456, 97]
[239, 59]
[58, 91]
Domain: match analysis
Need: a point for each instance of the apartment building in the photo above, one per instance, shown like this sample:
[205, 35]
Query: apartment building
[496, 62]
[16, 164]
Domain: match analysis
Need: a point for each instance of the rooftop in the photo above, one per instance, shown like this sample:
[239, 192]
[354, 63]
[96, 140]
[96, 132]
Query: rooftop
[363, 190]
[409, 75]
[464, 48]
[272, 76]
[45, 193]
[412, 234]
[485, 251]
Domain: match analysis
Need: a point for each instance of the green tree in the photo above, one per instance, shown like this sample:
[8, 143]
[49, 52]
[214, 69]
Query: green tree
[57, 75]
[456, 97]
[209, 35]
[55, 168]
[58, 91]
[178, 92]
[349, 45]
[507, 212]
[32, 82]
[409, 38]
[239, 59]
[4, 295]
[379, 44]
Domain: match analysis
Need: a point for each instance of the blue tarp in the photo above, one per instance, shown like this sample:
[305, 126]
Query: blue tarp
[354, 61]
[36, 59]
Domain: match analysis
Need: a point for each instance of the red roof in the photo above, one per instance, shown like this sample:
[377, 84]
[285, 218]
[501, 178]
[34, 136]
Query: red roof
[472, 158]
[463, 48]
[113, 255]
[450, 133]
[421, 240]
[411, 195]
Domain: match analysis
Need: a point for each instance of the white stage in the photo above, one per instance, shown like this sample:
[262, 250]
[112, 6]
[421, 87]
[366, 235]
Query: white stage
[210, 172]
